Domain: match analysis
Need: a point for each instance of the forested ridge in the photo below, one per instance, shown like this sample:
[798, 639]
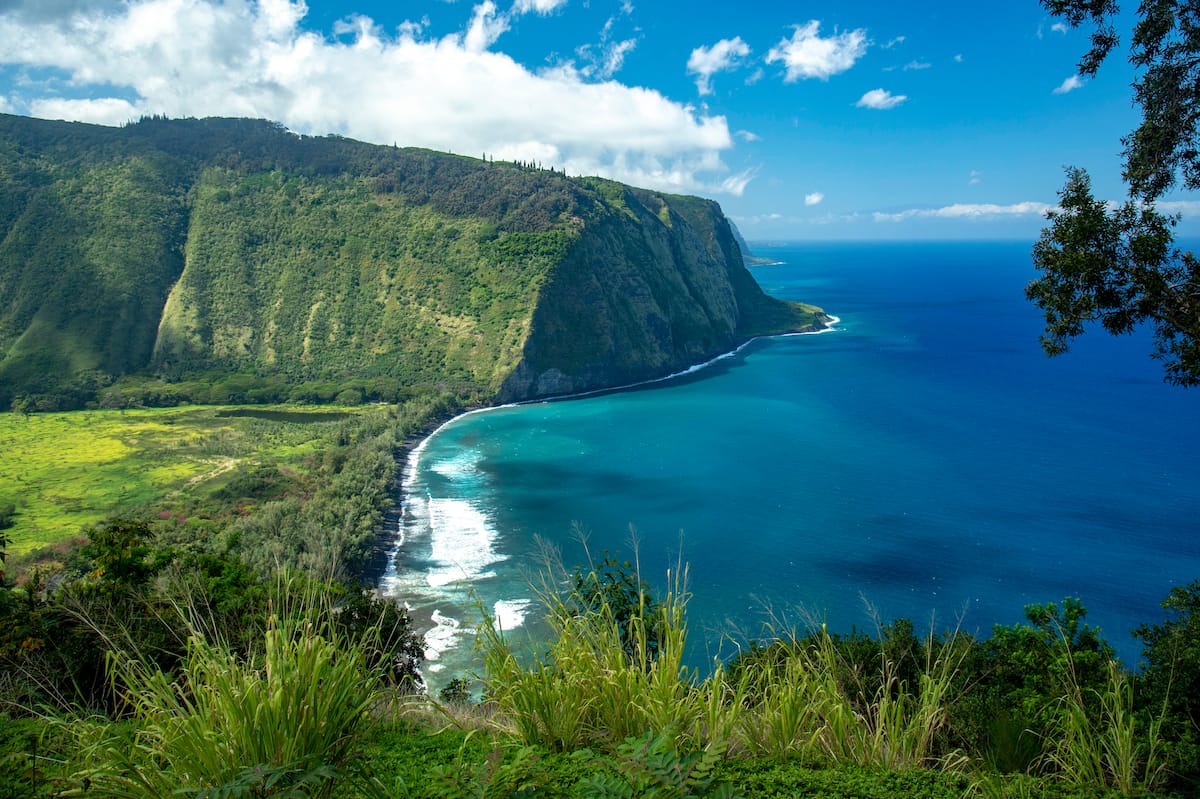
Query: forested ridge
[220, 260]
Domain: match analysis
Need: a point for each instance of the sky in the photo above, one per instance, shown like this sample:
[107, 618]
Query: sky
[804, 120]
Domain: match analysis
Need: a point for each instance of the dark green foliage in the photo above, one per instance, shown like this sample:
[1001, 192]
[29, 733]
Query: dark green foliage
[1018, 677]
[1119, 267]
[128, 593]
[616, 587]
[7, 511]
[456, 692]
[769, 779]
[497, 777]
[650, 767]
[398, 652]
[30, 749]
[5, 523]
[121, 555]
[1169, 682]
[415, 757]
[262, 483]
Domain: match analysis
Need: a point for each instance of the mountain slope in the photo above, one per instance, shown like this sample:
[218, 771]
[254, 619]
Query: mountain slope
[183, 253]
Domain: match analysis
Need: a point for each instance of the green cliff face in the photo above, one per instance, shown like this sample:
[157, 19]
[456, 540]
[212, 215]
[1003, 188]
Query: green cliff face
[653, 285]
[177, 249]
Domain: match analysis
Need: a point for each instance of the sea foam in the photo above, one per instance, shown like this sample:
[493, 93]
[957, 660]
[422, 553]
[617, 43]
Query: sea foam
[509, 614]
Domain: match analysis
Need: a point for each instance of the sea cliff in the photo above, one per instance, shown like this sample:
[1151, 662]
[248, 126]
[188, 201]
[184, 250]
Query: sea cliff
[233, 261]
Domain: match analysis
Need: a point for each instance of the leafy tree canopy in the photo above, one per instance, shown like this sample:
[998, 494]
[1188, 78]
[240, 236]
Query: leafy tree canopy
[1119, 267]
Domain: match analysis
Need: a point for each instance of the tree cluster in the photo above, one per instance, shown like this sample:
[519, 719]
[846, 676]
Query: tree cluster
[1119, 267]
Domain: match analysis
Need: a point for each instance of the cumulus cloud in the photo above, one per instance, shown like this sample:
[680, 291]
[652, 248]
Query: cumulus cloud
[880, 99]
[1069, 85]
[807, 55]
[705, 62]
[814, 198]
[252, 58]
[967, 211]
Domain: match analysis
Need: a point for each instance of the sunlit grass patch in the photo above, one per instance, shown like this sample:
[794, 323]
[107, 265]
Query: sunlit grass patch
[65, 471]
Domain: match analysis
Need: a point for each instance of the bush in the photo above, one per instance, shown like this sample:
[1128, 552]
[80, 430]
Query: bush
[285, 721]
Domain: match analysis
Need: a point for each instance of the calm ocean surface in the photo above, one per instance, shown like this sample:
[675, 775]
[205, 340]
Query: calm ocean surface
[923, 457]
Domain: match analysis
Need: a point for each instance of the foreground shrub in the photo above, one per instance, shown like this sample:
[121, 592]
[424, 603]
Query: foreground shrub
[286, 721]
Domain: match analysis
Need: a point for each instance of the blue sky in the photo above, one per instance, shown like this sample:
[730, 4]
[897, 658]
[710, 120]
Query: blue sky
[805, 120]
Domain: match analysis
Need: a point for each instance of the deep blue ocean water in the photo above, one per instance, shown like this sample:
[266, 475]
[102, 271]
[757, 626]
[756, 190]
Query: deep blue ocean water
[924, 458]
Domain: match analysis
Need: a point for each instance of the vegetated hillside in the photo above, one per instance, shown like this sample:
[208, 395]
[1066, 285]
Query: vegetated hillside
[171, 258]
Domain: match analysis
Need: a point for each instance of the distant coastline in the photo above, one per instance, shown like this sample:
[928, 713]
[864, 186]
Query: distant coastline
[754, 260]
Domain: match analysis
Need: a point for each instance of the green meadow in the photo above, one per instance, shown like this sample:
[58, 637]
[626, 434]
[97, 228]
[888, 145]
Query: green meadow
[61, 472]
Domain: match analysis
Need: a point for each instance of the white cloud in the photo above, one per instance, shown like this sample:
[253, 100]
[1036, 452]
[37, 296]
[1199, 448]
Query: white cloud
[1058, 27]
[916, 65]
[744, 135]
[252, 58]
[1182, 207]
[6, 107]
[605, 59]
[103, 110]
[705, 62]
[880, 99]
[807, 55]
[539, 6]
[486, 27]
[1069, 85]
[967, 211]
[615, 58]
[814, 198]
[757, 219]
[893, 42]
[975, 178]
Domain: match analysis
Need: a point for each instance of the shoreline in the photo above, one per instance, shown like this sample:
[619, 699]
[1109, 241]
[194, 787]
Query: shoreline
[409, 454]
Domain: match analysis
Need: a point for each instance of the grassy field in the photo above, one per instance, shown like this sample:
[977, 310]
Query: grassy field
[65, 471]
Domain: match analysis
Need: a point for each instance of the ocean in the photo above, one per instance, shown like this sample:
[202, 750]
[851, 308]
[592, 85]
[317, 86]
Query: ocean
[923, 460]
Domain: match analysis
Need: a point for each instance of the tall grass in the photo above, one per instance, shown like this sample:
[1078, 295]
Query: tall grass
[604, 678]
[599, 682]
[810, 703]
[1100, 742]
[285, 721]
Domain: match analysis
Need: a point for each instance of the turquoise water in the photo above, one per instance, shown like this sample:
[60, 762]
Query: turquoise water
[923, 457]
